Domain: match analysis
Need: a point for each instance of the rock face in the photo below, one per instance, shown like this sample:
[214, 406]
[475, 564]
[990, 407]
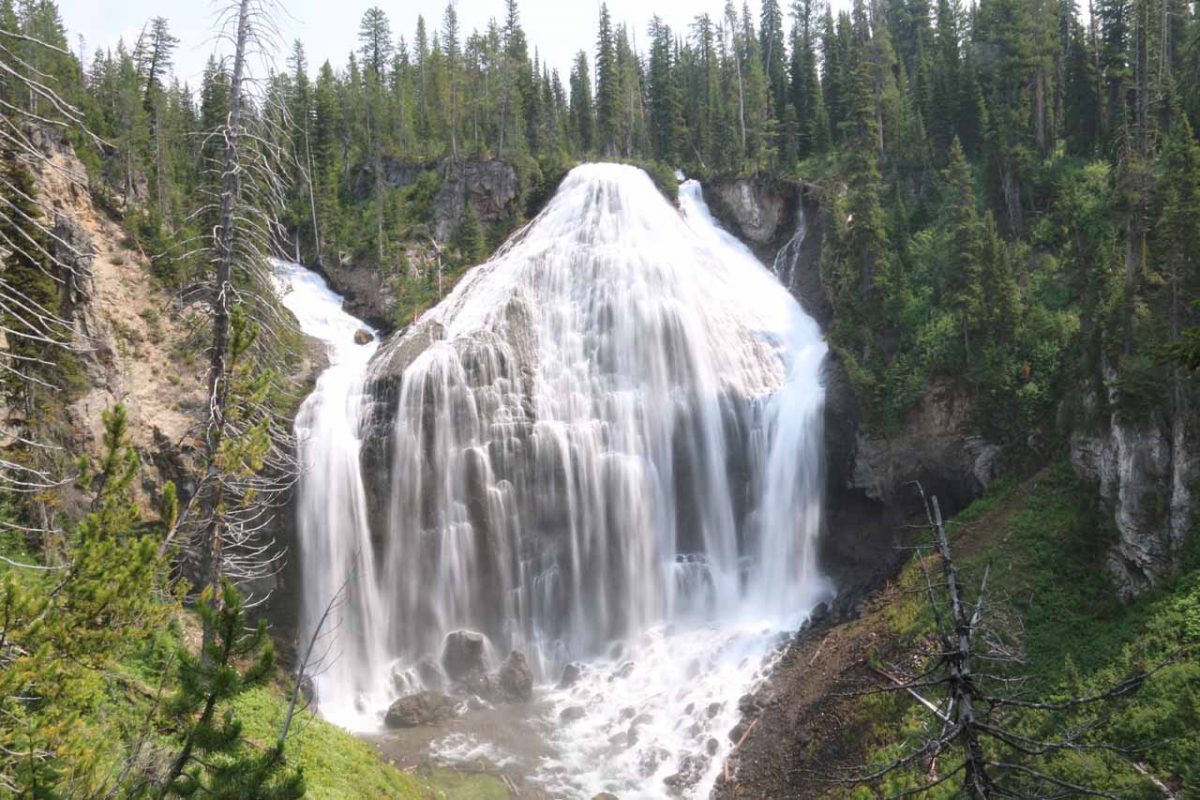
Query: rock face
[422, 708]
[570, 676]
[397, 174]
[1143, 471]
[463, 655]
[934, 445]
[491, 188]
[759, 211]
[366, 288]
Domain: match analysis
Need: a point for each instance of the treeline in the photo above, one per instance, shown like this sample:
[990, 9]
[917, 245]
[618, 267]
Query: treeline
[1010, 185]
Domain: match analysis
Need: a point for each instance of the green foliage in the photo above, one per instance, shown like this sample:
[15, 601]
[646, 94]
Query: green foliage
[64, 624]
[1045, 546]
[214, 760]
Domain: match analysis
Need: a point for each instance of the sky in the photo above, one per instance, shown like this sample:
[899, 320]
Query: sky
[329, 28]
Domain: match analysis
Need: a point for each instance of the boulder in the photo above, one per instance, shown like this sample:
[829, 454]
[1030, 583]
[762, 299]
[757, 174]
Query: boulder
[570, 676]
[463, 655]
[430, 674]
[571, 714]
[516, 678]
[422, 708]
[363, 336]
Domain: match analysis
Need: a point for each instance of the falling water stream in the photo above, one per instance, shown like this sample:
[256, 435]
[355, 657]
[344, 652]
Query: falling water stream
[602, 448]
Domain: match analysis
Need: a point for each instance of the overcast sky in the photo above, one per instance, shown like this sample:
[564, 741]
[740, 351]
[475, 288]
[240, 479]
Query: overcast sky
[328, 28]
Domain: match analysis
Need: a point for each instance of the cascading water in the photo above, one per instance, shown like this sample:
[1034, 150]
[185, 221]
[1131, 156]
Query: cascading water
[602, 447]
[334, 537]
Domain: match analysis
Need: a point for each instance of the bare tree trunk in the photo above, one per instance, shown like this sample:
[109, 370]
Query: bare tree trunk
[218, 378]
[976, 782]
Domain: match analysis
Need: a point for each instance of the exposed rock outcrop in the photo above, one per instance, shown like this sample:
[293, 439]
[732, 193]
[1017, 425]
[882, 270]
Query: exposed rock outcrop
[127, 331]
[365, 286]
[490, 187]
[1144, 471]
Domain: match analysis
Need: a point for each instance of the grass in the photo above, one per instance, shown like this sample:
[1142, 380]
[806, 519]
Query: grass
[336, 764]
[1046, 545]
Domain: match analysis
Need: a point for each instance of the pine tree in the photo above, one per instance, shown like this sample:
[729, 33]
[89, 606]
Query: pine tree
[450, 36]
[583, 114]
[805, 86]
[771, 44]
[57, 646]
[214, 759]
[608, 90]
[471, 239]
[666, 108]
[965, 284]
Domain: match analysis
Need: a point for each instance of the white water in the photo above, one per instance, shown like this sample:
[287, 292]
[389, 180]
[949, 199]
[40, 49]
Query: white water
[606, 451]
[334, 538]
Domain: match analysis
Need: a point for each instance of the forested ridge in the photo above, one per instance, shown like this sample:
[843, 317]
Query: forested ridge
[1009, 185]
[1009, 205]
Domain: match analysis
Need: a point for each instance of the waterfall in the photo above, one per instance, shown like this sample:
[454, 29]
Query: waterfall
[334, 539]
[602, 447]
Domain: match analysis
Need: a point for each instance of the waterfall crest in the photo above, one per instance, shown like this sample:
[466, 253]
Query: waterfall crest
[608, 433]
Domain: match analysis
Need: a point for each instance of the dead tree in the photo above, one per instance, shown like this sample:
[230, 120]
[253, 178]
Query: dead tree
[248, 459]
[971, 689]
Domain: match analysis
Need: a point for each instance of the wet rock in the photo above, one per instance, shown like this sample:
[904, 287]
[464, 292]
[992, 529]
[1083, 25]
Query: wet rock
[572, 714]
[749, 704]
[570, 676]
[651, 758]
[516, 678]
[430, 674]
[714, 709]
[606, 796]
[463, 655]
[422, 708]
[691, 770]
[712, 746]
[484, 685]
[363, 336]
[623, 671]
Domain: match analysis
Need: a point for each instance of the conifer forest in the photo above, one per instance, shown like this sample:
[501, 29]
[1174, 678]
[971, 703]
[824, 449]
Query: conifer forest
[801, 401]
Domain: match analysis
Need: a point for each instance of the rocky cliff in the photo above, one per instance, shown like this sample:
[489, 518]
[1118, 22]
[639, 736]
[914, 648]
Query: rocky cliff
[1144, 468]
[135, 344]
[491, 187]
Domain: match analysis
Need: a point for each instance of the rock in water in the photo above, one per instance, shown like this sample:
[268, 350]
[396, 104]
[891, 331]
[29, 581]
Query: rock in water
[430, 674]
[516, 678]
[462, 655]
[363, 336]
[422, 708]
[570, 676]
[571, 714]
